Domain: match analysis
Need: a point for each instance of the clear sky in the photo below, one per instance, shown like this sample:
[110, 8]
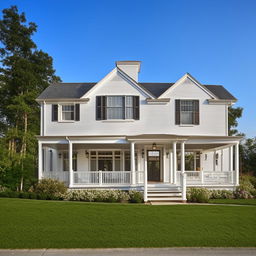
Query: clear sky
[214, 40]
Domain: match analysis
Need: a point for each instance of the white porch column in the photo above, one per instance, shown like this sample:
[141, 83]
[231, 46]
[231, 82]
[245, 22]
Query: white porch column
[171, 165]
[237, 164]
[182, 160]
[231, 169]
[183, 174]
[71, 180]
[133, 163]
[145, 177]
[40, 160]
[174, 162]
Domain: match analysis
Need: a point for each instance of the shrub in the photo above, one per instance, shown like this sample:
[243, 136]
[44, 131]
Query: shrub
[136, 196]
[49, 187]
[221, 194]
[198, 195]
[3, 189]
[96, 196]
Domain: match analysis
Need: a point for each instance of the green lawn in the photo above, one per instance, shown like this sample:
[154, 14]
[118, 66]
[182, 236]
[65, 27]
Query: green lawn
[234, 201]
[52, 224]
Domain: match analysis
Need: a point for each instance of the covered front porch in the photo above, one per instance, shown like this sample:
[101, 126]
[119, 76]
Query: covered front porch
[141, 162]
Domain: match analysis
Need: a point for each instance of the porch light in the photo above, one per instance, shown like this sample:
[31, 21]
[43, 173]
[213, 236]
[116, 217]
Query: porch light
[167, 154]
[142, 153]
[154, 146]
[86, 153]
[59, 155]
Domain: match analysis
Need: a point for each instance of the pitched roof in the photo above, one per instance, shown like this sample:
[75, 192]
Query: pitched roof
[156, 89]
[77, 90]
[220, 92]
[66, 90]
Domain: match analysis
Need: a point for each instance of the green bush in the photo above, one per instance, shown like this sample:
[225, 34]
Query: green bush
[110, 196]
[49, 187]
[221, 194]
[135, 196]
[198, 195]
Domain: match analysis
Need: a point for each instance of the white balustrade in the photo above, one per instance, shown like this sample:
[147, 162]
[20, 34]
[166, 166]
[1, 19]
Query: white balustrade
[207, 178]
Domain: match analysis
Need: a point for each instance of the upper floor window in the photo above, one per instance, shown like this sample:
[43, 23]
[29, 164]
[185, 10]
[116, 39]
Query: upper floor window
[65, 112]
[187, 112]
[117, 107]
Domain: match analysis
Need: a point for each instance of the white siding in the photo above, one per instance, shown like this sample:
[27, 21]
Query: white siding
[154, 119]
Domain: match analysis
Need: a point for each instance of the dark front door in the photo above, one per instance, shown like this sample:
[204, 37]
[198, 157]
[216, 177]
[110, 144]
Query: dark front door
[153, 157]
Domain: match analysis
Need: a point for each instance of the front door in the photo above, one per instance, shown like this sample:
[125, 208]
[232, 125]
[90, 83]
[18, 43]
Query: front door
[153, 160]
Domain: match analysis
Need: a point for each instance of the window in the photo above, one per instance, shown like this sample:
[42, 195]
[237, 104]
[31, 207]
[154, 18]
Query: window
[117, 107]
[187, 111]
[51, 161]
[68, 112]
[66, 161]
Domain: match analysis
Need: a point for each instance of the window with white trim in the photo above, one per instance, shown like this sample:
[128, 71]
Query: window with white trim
[67, 112]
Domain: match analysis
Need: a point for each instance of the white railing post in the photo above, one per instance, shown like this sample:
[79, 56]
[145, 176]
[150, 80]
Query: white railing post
[170, 166]
[145, 178]
[184, 186]
[100, 178]
[40, 160]
[132, 153]
[237, 164]
[71, 177]
[174, 162]
[202, 177]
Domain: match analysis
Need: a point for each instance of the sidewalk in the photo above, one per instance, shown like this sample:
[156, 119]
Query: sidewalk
[134, 252]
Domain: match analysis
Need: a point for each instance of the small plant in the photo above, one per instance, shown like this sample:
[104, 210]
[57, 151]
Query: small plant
[198, 195]
[136, 196]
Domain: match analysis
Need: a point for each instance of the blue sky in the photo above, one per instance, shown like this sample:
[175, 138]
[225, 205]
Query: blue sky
[215, 41]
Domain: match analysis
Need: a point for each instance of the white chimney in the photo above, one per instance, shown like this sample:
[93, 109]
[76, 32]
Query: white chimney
[131, 68]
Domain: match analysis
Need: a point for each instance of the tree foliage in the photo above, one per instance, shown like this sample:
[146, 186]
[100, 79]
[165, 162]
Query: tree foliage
[24, 73]
[233, 115]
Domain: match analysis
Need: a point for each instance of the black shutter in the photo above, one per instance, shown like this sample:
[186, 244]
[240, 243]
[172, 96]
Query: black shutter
[177, 111]
[100, 107]
[103, 107]
[54, 113]
[77, 112]
[196, 111]
[136, 107]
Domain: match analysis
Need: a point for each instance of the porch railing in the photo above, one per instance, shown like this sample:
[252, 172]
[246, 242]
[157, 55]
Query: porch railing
[58, 175]
[102, 178]
[207, 178]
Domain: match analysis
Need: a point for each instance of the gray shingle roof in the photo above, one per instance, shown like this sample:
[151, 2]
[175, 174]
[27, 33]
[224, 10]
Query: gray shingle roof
[156, 89]
[66, 90]
[77, 90]
[220, 92]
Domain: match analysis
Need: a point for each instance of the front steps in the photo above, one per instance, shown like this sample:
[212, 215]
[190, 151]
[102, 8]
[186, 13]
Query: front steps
[164, 193]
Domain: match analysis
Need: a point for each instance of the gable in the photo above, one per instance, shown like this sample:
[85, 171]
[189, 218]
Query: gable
[187, 88]
[115, 83]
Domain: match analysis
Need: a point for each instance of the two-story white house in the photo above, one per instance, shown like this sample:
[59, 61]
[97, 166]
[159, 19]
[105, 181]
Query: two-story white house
[120, 133]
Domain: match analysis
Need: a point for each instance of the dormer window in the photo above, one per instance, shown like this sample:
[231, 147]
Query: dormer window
[117, 107]
[187, 112]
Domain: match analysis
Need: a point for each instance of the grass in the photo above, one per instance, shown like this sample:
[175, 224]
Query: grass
[53, 224]
[233, 201]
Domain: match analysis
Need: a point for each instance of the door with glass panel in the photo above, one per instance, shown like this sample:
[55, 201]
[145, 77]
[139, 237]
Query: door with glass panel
[154, 165]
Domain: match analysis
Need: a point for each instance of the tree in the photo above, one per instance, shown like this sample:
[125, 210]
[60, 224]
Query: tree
[233, 115]
[248, 155]
[25, 72]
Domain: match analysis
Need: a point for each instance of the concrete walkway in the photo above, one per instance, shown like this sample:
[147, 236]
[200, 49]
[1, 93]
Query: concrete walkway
[134, 252]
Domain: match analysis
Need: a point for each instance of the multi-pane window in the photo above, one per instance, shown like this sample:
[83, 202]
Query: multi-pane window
[117, 107]
[187, 111]
[68, 112]
[66, 161]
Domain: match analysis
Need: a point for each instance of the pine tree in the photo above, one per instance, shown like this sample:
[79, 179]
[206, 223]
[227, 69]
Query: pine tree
[25, 72]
